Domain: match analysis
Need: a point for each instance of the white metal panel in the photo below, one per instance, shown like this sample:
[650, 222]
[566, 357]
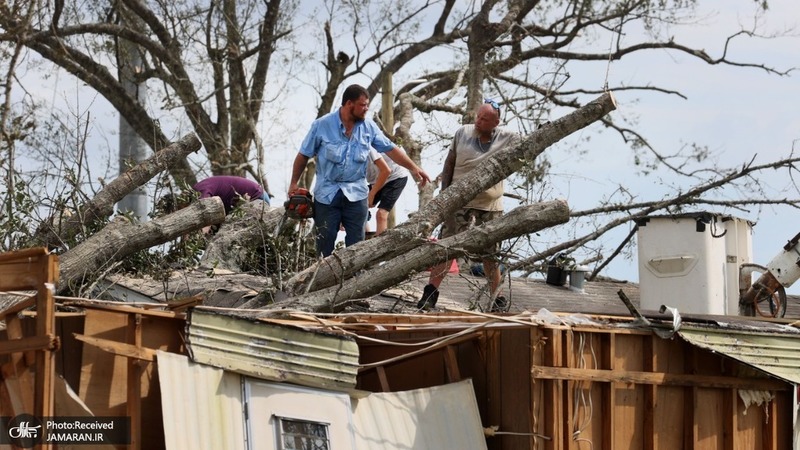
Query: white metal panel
[201, 405]
[440, 417]
[267, 401]
[739, 250]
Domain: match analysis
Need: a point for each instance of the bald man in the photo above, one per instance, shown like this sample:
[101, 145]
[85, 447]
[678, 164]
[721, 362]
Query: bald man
[472, 145]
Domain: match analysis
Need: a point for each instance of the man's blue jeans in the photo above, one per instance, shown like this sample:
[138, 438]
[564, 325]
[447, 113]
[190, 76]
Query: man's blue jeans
[327, 218]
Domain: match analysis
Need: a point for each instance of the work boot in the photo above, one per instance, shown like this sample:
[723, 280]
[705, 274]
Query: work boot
[500, 304]
[429, 297]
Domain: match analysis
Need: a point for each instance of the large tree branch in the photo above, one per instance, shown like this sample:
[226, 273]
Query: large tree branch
[522, 220]
[122, 238]
[253, 228]
[57, 229]
[499, 166]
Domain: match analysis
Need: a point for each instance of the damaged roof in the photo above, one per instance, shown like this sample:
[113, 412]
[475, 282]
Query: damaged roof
[458, 291]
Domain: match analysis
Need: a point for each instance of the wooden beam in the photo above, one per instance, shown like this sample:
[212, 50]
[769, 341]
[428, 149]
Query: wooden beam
[118, 348]
[14, 331]
[26, 253]
[660, 379]
[689, 401]
[608, 410]
[133, 309]
[494, 392]
[19, 306]
[134, 407]
[21, 269]
[650, 394]
[185, 303]
[16, 380]
[730, 419]
[451, 364]
[49, 342]
[58, 314]
[771, 435]
[383, 379]
[538, 429]
[554, 392]
[568, 396]
[44, 394]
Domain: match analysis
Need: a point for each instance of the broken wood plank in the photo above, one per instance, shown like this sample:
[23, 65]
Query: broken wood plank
[661, 379]
[49, 342]
[13, 332]
[16, 382]
[44, 387]
[58, 314]
[118, 348]
[122, 307]
[185, 303]
[19, 306]
[134, 404]
[451, 364]
[383, 379]
[34, 252]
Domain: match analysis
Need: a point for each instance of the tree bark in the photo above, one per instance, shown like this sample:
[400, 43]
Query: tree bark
[238, 235]
[56, 230]
[522, 220]
[121, 238]
[343, 263]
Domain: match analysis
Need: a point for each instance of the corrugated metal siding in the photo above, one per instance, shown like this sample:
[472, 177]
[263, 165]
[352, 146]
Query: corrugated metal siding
[201, 405]
[273, 352]
[776, 354]
[441, 417]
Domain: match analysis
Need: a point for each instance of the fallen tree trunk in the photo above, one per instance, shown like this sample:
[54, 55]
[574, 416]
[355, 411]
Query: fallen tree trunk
[60, 227]
[240, 234]
[522, 220]
[121, 238]
[345, 262]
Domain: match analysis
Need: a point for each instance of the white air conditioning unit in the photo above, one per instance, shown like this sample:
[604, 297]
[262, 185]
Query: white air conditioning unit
[691, 262]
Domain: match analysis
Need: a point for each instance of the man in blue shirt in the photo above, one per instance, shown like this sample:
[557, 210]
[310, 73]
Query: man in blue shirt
[341, 141]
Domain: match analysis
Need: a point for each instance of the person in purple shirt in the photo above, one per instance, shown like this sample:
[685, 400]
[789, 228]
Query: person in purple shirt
[230, 190]
[340, 141]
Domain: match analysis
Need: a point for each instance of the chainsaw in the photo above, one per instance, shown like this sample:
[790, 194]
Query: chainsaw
[300, 205]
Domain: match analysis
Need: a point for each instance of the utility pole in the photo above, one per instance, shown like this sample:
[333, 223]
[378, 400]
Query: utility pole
[132, 148]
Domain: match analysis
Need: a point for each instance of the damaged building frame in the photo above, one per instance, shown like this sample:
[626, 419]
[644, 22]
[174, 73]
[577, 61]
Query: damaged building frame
[203, 377]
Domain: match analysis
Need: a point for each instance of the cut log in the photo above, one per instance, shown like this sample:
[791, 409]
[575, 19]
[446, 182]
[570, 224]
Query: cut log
[240, 234]
[522, 220]
[345, 262]
[121, 238]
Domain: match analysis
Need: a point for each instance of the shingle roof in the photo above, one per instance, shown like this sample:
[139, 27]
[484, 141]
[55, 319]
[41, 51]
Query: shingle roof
[458, 291]
[461, 291]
